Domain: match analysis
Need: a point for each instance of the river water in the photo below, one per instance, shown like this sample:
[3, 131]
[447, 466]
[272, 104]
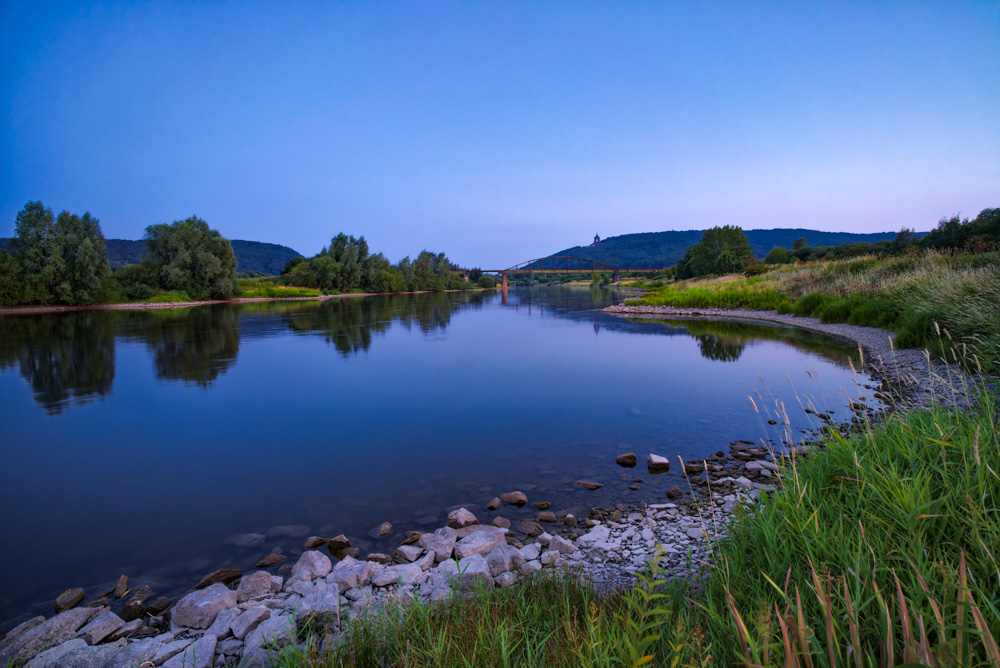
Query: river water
[142, 442]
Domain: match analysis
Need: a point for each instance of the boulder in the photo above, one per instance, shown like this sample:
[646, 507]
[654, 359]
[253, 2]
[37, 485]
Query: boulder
[549, 557]
[322, 601]
[270, 560]
[529, 528]
[311, 565]
[24, 646]
[675, 493]
[441, 543]
[405, 574]
[586, 484]
[314, 542]
[505, 579]
[339, 542]
[274, 633]
[68, 599]
[199, 609]
[514, 498]
[657, 464]
[542, 505]
[200, 654]
[547, 516]
[480, 542]
[530, 552]
[122, 587]
[170, 649]
[253, 585]
[569, 521]
[426, 561]
[126, 630]
[696, 468]
[384, 529]
[249, 620]
[504, 558]
[501, 522]
[460, 518]
[627, 460]
[561, 545]
[353, 574]
[599, 534]
[223, 575]
[380, 558]
[494, 504]
[100, 627]
[408, 553]
[470, 572]
[53, 657]
[223, 623]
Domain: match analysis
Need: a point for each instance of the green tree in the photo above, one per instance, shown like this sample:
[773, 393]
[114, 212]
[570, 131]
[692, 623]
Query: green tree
[192, 257]
[38, 251]
[800, 243]
[721, 250]
[486, 281]
[11, 281]
[85, 258]
[778, 255]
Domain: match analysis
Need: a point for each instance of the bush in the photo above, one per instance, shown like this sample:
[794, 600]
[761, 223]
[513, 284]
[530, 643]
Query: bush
[487, 281]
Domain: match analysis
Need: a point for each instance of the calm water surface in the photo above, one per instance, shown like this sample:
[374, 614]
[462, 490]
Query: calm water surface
[140, 442]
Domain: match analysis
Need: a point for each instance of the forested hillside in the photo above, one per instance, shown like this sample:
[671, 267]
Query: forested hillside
[663, 249]
[250, 255]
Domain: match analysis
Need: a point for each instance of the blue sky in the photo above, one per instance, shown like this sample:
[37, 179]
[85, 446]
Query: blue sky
[499, 131]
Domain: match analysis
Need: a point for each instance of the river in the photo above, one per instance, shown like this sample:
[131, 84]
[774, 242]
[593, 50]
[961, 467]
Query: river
[143, 442]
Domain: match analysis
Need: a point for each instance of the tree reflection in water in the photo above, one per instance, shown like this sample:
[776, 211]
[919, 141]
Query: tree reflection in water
[65, 359]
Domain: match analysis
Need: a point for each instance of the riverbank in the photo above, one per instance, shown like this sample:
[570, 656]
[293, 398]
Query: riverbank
[911, 377]
[139, 306]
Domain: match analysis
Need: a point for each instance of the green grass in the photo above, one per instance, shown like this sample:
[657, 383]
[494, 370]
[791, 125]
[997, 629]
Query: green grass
[943, 302]
[168, 297]
[879, 549]
[255, 288]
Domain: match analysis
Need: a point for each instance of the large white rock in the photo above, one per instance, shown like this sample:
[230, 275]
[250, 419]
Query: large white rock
[53, 631]
[598, 534]
[253, 585]
[531, 551]
[657, 464]
[504, 558]
[405, 574]
[408, 552]
[461, 518]
[200, 654]
[561, 545]
[199, 609]
[474, 572]
[311, 565]
[100, 627]
[353, 575]
[249, 620]
[441, 543]
[273, 633]
[480, 542]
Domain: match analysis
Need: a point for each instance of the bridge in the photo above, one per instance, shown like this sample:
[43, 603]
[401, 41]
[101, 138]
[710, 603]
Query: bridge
[566, 264]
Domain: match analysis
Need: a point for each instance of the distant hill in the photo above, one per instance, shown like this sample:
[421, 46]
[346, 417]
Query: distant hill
[250, 255]
[663, 249]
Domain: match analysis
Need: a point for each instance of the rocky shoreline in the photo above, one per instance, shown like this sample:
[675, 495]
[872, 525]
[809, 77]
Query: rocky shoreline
[234, 618]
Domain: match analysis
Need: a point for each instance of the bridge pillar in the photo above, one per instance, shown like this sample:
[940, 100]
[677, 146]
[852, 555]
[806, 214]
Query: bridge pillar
[617, 276]
[503, 282]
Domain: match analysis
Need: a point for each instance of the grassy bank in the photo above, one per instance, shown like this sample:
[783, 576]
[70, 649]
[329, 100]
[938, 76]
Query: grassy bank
[906, 295]
[878, 550]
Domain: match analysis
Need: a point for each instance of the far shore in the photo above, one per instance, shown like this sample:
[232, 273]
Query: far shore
[142, 306]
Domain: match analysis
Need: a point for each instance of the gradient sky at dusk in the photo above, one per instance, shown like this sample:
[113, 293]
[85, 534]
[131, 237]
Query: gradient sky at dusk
[500, 131]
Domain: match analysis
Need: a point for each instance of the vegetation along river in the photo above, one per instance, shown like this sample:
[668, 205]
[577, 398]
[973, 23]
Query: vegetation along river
[150, 442]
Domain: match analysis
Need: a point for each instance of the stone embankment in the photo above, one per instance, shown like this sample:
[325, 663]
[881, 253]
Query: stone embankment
[911, 378]
[233, 618]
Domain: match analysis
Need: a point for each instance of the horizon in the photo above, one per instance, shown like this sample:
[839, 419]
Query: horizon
[492, 132]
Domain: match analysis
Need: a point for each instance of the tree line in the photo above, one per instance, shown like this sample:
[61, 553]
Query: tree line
[63, 260]
[726, 250]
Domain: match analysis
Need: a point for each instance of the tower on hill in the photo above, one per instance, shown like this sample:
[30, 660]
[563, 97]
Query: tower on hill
[597, 240]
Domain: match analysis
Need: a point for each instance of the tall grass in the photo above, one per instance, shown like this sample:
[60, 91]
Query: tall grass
[907, 295]
[269, 288]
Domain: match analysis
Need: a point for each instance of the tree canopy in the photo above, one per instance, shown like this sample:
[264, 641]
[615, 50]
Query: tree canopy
[192, 257]
[53, 259]
[722, 250]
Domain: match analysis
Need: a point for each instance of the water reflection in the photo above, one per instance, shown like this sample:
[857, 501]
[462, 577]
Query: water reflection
[70, 358]
[64, 359]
